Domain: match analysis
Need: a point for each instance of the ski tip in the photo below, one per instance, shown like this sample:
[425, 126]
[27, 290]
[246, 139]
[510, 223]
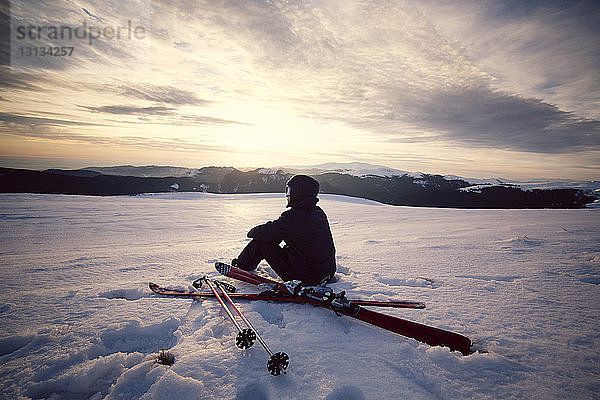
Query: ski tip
[461, 344]
[222, 268]
[197, 284]
[155, 288]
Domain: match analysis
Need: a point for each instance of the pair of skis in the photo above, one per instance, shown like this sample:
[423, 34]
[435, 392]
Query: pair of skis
[276, 295]
[351, 308]
[318, 296]
[278, 362]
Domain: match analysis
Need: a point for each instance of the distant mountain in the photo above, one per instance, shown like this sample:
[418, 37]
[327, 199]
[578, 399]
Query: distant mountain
[150, 171]
[353, 168]
[364, 169]
[377, 183]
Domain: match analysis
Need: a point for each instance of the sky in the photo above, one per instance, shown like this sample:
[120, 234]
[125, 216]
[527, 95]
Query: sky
[471, 88]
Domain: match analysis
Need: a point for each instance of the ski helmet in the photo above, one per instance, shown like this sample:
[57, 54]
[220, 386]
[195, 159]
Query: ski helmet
[301, 187]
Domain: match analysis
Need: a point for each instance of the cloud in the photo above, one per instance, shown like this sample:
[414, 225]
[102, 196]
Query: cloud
[160, 94]
[472, 117]
[385, 68]
[483, 117]
[82, 41]
[547, 50]
[131, 110]
[161, 111]
[199, 119]
[91, 15]
[52, 129]
[28, 121]
[17, 81]
[141, 142]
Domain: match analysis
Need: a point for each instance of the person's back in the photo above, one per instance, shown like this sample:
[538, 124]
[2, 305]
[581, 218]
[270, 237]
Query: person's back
[309, 252]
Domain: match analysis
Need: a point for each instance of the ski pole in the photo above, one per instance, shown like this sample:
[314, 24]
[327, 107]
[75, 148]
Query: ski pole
[245, 337]
[278, 362]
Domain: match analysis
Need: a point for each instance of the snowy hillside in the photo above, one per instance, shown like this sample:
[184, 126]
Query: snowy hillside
[79, 322]
[590, 186]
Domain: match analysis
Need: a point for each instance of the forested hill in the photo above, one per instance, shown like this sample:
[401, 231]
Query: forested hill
[422, 190]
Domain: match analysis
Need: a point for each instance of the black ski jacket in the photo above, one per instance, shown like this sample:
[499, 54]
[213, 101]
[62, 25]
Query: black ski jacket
[308, 241]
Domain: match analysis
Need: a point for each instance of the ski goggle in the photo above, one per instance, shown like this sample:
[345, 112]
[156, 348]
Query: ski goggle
[288, 191]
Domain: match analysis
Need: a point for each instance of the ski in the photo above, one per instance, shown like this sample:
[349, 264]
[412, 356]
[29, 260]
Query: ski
[272, 295]
[236, 296]
[423, 333]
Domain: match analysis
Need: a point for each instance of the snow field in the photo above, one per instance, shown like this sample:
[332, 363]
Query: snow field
[78, 321]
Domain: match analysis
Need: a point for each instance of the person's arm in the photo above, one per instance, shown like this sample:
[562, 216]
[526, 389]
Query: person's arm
[272, 231]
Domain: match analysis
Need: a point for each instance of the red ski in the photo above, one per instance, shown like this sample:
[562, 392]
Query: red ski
[423, 333]
[276, 296]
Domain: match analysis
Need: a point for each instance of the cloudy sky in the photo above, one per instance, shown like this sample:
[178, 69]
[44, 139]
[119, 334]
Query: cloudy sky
[473, 88]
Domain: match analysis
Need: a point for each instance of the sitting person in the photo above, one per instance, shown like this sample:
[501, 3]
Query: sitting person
[309, 253]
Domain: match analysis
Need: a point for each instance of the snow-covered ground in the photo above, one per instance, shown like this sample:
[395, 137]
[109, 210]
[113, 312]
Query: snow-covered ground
[78, 321]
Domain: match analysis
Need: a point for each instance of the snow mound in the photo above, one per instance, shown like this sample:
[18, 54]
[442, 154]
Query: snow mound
[125, 293]
[270, 313]
[136, 381]
[491, 278]
[346, 393]
[13, 343]
[144, 339]
[90, 379]
[119, 364]
[170, 385]
[254, 391]
[410, 282]
[520, 244]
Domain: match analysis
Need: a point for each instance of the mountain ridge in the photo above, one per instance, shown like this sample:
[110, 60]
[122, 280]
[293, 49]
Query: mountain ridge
[352, 168]
[424, 190]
